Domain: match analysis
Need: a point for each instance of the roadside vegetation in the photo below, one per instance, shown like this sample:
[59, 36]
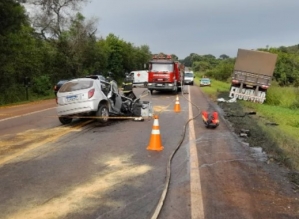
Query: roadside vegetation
[54, 42]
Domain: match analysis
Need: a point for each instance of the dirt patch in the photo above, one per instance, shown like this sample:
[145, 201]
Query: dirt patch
[245, 124]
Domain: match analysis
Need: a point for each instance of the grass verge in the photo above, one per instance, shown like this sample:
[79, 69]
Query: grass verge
[282, 126]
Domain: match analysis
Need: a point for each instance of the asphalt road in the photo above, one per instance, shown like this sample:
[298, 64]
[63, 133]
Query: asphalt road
[81, 170]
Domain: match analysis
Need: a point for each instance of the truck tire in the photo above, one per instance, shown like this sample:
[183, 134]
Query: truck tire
[65, 120]
[103, 111]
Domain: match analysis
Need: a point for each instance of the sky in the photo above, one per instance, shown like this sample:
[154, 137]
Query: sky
[182, 27]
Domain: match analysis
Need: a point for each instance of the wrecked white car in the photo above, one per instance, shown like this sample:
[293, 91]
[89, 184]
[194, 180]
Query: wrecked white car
[95, 98]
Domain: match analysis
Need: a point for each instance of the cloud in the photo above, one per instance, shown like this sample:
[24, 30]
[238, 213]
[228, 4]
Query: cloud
[203, 27]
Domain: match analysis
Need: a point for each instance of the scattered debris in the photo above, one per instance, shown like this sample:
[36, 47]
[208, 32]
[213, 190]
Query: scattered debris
[244, 120]
[243, 135]
[221, 100]
[233, 100]
[139, 119]
[244, 130]
[270, 160]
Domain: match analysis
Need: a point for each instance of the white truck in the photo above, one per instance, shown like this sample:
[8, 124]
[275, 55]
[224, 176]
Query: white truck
[140, 77]
[189, 77]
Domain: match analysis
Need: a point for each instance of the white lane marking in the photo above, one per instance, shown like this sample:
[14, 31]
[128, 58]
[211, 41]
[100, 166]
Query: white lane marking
[1, 120]
[197, 210]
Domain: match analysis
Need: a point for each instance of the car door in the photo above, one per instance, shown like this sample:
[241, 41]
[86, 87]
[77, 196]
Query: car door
[115, 97]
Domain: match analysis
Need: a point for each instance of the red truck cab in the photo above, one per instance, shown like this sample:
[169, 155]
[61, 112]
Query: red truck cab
[165, 74]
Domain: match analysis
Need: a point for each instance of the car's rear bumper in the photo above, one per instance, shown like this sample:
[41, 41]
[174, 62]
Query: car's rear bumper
[77, 108]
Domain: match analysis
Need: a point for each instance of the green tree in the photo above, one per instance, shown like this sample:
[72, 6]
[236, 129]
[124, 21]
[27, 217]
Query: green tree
[201, 66]
[12, 17]
[174, 57]
[51, 18]
[20, 55]
[115, 58]
[223, 56]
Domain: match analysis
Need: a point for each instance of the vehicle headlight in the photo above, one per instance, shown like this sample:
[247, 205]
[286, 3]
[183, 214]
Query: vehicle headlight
[149, 84]
[170, 85]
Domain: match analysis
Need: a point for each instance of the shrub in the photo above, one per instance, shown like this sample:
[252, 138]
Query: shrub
[41, 85]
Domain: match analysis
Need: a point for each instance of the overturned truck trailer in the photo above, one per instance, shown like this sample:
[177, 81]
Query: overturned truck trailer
[252, 75]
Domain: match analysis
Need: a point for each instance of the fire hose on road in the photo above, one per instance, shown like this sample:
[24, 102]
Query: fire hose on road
[168, 169]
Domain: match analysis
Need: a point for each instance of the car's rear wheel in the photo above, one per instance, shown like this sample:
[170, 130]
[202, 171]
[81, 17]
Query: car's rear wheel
[103, 114]
[65, 120]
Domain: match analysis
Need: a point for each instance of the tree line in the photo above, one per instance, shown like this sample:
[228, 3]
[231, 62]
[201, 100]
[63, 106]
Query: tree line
[57, 42]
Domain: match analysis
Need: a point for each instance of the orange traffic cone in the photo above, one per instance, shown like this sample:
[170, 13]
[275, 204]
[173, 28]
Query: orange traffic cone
[155, 141]
[177, 107]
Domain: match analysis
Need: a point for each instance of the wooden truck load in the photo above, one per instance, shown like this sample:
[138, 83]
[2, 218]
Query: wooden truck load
[252, 75]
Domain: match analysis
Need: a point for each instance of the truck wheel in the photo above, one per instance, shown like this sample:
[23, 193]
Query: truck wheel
[103, 113]
[65, 120]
